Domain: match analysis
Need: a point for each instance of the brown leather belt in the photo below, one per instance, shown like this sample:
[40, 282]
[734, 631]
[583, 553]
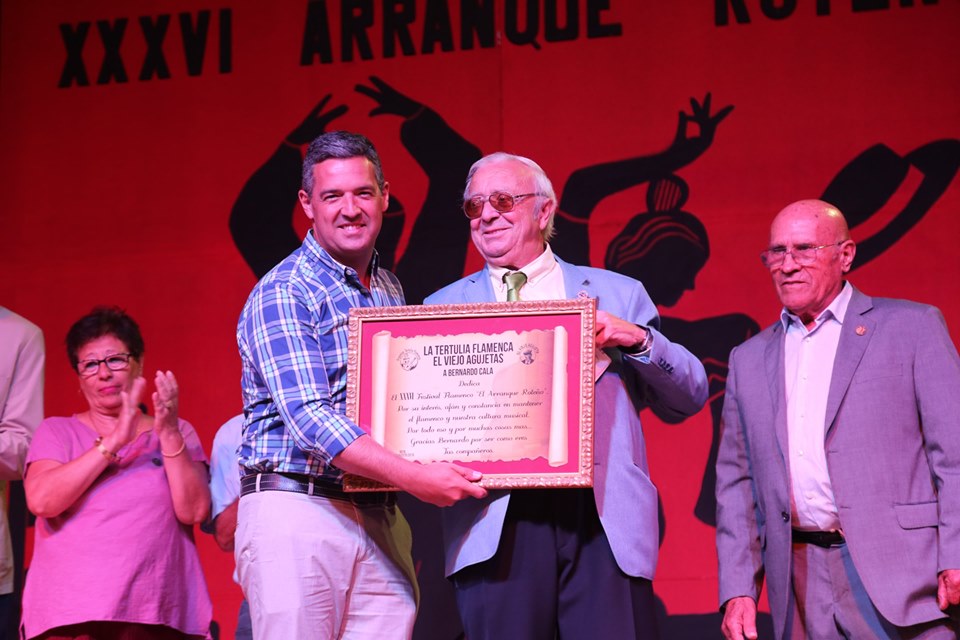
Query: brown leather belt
[819, 538]
[312, 486]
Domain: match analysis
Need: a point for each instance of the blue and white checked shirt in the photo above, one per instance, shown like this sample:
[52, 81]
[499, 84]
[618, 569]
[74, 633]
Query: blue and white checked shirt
[292, 336]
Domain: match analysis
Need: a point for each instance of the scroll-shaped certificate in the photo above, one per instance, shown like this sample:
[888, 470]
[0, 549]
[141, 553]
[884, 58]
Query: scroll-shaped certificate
[505, 388]
[502, 397]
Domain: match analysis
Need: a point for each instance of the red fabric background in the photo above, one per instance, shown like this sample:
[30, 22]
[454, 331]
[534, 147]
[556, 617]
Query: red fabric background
[121, 193]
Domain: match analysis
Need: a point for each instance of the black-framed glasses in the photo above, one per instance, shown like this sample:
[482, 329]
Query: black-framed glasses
[114, 362]
[803, 254]
[500, 201]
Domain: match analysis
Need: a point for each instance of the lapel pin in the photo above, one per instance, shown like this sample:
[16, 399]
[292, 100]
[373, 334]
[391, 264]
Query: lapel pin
[583, 294]
[861, 330]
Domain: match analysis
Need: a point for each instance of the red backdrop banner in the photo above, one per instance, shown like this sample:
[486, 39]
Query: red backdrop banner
[151, 159]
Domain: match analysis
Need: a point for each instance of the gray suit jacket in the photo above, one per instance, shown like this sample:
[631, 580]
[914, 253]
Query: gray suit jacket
[893, 452]
[671, 382]
[21, 410]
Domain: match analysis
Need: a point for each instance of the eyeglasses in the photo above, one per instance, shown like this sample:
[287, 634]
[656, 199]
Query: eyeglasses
[499, 200]
[114, 362]
[803, 254]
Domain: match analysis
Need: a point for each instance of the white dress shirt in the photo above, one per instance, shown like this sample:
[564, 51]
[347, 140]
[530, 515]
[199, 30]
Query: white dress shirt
[544, 279]
[808, 367]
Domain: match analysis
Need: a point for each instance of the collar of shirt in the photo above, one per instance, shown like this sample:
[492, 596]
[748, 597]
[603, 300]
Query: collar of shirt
[837, 310]
[538, 269]
[316, 253]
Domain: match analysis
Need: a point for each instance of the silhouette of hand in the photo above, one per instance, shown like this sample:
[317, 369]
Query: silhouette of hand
[701, 116]
[390, 100]
[316, 122]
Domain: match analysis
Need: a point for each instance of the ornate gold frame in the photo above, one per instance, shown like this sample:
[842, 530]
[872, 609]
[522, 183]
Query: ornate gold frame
[577, 316]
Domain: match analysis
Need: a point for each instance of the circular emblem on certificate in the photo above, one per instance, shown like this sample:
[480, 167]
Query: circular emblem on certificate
[408, 359]
[528, 353]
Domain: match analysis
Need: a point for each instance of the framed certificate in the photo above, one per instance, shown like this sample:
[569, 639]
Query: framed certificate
[505, 388]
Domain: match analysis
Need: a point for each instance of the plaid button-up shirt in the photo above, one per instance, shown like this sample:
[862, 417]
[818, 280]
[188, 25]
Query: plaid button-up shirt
[292, 336]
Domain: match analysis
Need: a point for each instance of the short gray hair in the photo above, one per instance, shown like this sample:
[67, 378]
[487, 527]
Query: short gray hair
[340, 145]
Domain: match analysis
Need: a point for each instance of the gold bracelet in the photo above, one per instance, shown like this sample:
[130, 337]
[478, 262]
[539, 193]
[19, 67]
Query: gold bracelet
[109, 455]
[175, 453]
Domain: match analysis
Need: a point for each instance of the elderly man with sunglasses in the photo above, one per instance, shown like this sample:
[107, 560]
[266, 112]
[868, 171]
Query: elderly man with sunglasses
[838, 475]
[571, 563]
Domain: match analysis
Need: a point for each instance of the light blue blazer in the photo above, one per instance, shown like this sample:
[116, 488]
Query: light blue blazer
[892, 439]
[671, 381]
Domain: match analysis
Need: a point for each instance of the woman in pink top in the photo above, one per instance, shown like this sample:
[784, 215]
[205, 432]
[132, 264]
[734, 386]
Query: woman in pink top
[116, 493]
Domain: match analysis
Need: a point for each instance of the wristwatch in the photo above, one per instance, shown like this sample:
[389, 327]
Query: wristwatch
[643, 347]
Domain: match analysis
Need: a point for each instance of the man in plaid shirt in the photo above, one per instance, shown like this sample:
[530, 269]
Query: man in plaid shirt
[314, 561]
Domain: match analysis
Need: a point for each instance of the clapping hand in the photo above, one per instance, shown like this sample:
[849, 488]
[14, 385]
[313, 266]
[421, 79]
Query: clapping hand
[166, 402]
[126, 426]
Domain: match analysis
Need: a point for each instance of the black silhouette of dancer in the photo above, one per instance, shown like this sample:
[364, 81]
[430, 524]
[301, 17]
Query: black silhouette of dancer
[586, 187]
[261, 221]
[667, 246]
[665, 249]
[437, 249]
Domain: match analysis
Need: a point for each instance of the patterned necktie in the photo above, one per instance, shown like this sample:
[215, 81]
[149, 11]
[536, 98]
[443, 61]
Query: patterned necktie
[514, 280]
